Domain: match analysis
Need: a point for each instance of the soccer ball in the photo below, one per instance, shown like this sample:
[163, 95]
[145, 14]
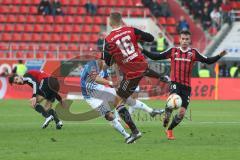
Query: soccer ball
[174, 101]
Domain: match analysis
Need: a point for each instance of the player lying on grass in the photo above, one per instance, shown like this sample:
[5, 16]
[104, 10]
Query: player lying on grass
[44, 87]
[100, 97]
[182, 61]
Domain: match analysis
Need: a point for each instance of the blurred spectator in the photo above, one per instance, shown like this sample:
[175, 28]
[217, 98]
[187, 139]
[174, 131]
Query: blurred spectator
[223, 71]
[226, 8]
[147, 3]
[206, 20]
[214, 4]
[216, 18]
[44, 7]
[101, 41]
[155, 8]
[165, 9]
[90, 8]
[4, 72]
[20, 69]
[182, 24]
[161, 43]
[196, 8]
[57, 8]
[204, 72]
[233, 69]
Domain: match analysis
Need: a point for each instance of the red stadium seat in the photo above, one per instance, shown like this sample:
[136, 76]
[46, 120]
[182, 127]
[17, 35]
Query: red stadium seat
[43, 47]
[3, 19]
[171, 21]
[162, 21]
[73, 2]
[19, 28]
[171, 30]
[7, 2]
[55, 38]
[46, 37]
[20, 55]
[78, 19]
[50, 55]
[31, 19]
[14, 9]
[38, 28]
[67, 28]
[61, 55]
[81, 11]
[98, 20]
[75, 38]
[84, 38]
[96, 29]
[28, 28]
[40, 55]
[49, 19]
[86, 28]
[24, 10]
[27, 2]
[1, 28]
[52, 48]
[21, 19]
[63, 47]
[82, 2]
[59, 19]
[30, 55]
[4, 9]
[6, 37]
[68, 19]
[33, 10]
[57, 28]
[17, 2]
[40, 19]
[70, 55]
[73, 47]
[93, 38]
[71, 10]
[35, 2]
[88, 20]
[23, 47]
[26, 37]
[64, 38]
[17, 37]
[36, 37]
[76, 29]
[48, 28]
[11, 19]
[9, 28]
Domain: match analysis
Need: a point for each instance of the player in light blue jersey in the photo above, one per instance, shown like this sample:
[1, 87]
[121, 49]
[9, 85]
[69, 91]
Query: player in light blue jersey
[99, 94]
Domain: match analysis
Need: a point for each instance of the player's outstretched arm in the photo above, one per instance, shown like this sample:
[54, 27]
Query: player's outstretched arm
[210, 60]
[156, 56]
[103, 81]
[143, 36]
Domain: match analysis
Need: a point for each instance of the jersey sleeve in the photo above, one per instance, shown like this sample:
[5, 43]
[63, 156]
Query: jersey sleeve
[143, 36]
[27, 78]
[158, 56]
[208, 60]
[106, 56]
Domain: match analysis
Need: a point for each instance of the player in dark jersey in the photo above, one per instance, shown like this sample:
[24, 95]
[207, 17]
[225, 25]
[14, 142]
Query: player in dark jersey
[182, 61]
[121, 47]
[44, 87]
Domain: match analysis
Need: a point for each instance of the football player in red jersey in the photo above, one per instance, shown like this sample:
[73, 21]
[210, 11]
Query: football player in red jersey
[44, 87]
[182, 61]
[121, 47]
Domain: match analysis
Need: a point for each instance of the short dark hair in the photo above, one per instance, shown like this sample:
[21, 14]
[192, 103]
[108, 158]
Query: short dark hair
[20, 61]
[186, 32]
[11, 78]
[116, 18]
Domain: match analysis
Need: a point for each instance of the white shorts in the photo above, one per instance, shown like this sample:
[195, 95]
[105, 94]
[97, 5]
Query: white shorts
[102, 99]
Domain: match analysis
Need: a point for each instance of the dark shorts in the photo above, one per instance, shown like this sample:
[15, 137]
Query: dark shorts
[128, 87]
[183, 91]
[49, 88]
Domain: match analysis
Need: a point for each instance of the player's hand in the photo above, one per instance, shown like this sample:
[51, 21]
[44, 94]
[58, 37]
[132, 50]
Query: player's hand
[33, 101]
[223, 53]
[165, 79]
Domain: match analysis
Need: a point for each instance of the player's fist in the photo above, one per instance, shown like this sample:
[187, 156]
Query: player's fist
[223, 53]
[33, 101]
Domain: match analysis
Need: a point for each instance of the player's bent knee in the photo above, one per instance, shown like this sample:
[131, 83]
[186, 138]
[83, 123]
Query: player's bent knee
[109, 116]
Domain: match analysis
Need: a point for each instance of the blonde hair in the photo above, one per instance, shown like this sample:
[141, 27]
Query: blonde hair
[115, 18]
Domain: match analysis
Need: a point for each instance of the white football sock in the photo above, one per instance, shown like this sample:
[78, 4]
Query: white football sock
[131, 109]
[118, 126]
[142, 106]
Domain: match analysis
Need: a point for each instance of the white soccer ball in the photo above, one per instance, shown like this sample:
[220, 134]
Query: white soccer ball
[174, 101]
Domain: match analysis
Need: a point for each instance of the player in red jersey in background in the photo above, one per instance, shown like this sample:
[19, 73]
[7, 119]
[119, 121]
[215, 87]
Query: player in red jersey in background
[121, 47]
[44, 87]
[182, 61]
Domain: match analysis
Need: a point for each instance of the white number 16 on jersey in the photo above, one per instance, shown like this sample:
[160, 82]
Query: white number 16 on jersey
[126, 46]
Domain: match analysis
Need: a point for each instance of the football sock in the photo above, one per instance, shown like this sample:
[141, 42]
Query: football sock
[117, 125]
[54, 114]
[41, 110]
[176, 120]
[126, 117]
[140, 105]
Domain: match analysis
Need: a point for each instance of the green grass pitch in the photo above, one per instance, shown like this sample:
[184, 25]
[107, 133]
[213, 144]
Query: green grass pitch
[213, 134]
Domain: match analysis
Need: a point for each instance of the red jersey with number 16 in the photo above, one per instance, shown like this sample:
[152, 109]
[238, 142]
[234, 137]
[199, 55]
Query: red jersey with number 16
[122, 45]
